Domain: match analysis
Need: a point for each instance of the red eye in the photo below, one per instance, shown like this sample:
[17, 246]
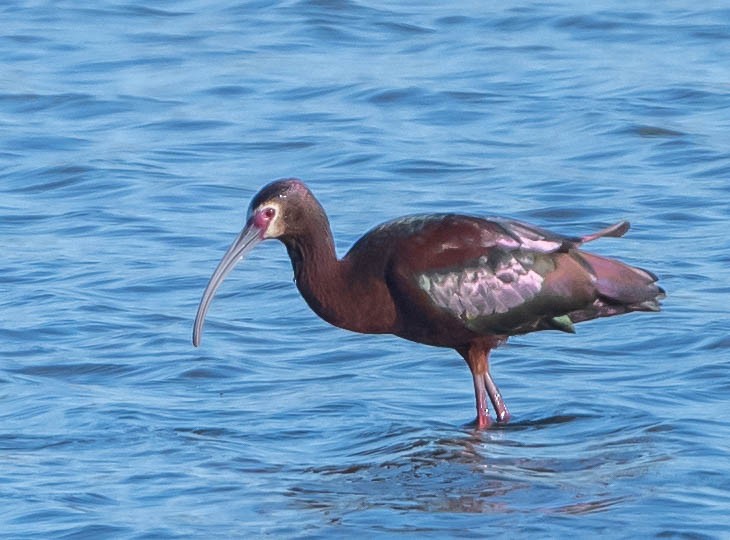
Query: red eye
[269, 213]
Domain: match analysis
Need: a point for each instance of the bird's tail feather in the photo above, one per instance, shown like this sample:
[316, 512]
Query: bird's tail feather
[613, 231]
[621, 288]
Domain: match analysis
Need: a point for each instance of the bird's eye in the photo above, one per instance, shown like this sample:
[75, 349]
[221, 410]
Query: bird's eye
[269, 213]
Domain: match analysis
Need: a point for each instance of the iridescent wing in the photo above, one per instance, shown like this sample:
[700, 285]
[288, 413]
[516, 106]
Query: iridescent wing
[494, 283]
[486, 271]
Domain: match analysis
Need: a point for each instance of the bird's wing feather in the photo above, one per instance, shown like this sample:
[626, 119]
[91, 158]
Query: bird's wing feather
[519, 235]
[472, 267]
[495, 283]
[494, 275]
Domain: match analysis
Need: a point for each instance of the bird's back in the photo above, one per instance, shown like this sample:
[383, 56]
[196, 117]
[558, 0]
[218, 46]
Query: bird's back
[455, 277]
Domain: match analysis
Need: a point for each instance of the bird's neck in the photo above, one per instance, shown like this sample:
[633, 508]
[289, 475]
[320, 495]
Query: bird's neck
[327, 284]
[317, 271]
[313, 259]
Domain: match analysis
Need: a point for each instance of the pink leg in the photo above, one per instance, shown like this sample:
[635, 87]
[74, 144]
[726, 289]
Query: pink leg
[495, 397]
[483, 420]
[477, 358]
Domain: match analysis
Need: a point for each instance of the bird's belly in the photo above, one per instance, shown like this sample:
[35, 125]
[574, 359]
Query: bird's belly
[445, 330]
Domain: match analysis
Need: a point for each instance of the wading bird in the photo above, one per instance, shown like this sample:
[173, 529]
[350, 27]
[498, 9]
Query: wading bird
[446, 280]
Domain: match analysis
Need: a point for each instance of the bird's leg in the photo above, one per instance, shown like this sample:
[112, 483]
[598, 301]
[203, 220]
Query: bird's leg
[483, 420]
[476, 360]
[500, 409]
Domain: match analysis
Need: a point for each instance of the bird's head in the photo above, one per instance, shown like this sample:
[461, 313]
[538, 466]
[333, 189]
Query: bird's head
[278, 211]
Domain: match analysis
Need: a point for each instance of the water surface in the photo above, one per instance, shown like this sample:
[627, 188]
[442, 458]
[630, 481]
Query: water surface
[132, 136]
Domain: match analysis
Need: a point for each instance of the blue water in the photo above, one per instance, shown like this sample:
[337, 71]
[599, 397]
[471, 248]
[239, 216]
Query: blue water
[133, 134]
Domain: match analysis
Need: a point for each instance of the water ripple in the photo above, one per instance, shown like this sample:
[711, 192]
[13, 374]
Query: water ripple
[133, 137]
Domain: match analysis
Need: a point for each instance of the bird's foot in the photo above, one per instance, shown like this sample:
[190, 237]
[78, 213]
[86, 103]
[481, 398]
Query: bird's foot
[483, 422]
[503, 416]
[486, 422]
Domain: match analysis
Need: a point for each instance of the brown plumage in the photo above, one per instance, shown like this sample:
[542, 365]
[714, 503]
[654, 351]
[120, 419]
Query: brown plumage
[446, 280]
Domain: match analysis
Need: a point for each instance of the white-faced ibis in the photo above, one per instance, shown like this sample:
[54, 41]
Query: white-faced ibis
[446, 280]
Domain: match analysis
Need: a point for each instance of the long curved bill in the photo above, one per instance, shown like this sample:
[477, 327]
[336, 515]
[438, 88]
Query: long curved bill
[249, 237]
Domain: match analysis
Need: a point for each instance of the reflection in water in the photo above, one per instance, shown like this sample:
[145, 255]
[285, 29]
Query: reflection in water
[481, 472]
[131, 149]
